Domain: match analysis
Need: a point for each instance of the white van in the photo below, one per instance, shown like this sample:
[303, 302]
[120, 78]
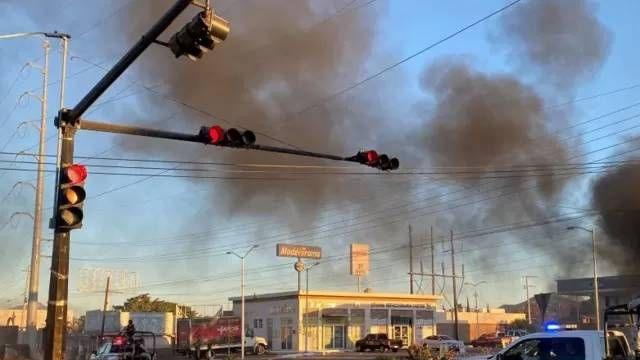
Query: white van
[566, 345]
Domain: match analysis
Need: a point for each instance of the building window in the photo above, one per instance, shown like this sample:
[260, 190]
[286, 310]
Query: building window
[257, 323]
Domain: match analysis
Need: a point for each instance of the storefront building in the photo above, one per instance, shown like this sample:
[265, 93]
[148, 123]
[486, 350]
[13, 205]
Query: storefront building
[322, 320]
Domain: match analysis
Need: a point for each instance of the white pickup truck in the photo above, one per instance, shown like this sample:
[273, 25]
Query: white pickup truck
[566, 345]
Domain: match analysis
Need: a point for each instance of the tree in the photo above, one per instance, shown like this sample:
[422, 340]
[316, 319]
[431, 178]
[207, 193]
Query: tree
[144, 303]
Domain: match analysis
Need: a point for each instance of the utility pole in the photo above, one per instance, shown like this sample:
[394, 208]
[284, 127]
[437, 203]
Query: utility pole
[242, 327]
[34, 278]
[27, 273]
[433, 264]
[526, 288]
[455, 291]
[104, 307]
[410, 261]
[475, 295]
[596, 292]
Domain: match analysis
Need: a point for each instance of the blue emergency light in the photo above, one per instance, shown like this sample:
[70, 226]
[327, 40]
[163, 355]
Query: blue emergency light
[552, 326]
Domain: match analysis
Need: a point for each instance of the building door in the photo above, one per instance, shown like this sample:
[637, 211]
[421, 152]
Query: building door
[402, 332]
[334, 336]
[270, 332]
[286, 334]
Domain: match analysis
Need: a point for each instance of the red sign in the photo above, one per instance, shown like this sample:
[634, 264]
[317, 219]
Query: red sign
[216, 331]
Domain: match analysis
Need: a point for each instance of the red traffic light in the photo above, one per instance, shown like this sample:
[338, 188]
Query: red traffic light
[76, 173]
[372, 157]
[216, 134]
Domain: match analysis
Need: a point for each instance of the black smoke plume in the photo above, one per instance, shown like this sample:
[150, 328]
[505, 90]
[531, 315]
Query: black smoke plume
[487, 122]
[616, 197]
[562, 42]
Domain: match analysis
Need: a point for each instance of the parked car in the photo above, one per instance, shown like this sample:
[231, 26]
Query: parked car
[435, 342]
[379, 342]
[492, 340]
[516, 333]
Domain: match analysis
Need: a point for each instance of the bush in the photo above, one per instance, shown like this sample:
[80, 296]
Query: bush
[419, 353]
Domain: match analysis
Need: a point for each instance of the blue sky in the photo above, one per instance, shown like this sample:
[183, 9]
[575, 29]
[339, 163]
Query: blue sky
[174, 233]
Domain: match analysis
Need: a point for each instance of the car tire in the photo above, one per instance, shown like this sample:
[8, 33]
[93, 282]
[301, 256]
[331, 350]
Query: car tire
[260, 349]
[394, 349]
[361, 348]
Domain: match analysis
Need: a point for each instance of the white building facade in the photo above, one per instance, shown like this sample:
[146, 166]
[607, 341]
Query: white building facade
[321, 320]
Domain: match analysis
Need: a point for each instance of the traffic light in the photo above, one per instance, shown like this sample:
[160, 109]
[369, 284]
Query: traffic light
[200, 35]
[216, 135]
[71, 197]
[373, 159]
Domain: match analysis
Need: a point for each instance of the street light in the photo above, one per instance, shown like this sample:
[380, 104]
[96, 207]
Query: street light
[242, 296]
[306, 306]
[596, 293]
[475, 295]
[34, 275]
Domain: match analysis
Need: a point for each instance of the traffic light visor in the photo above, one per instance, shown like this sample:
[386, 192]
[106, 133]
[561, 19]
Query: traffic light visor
[76, 173]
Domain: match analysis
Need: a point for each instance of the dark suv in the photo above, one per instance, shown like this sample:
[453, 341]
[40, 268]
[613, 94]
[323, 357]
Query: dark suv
[379, 342]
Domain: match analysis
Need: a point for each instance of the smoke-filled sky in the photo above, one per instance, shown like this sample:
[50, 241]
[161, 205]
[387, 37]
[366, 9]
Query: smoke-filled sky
[476, 122]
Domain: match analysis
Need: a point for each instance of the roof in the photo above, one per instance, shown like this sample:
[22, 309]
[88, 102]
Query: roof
[357, 296]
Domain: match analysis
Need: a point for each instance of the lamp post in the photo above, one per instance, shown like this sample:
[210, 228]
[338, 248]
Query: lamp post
[306, 306]
[596, 293]
[242, 295]
[475, 295]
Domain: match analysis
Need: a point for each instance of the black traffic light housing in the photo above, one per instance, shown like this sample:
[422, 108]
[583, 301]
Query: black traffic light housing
[71, 196]
[371, 158]
[200, 35]
[216, 135]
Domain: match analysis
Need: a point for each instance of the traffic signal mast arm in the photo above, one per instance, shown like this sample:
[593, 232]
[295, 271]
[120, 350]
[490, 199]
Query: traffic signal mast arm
[215, 135]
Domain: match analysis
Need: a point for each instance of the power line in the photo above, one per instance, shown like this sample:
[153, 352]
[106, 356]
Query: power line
[405, 59]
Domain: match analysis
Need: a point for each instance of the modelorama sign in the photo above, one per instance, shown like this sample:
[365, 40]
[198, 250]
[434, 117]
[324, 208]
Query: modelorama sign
[299, 251]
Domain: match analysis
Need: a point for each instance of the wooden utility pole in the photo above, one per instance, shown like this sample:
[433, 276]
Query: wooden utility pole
[455, 289]
[104, 306]
[433, 265]
[410, 262]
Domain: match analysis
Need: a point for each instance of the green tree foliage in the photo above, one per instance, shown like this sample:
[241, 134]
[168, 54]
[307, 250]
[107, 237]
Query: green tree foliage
[144, 303]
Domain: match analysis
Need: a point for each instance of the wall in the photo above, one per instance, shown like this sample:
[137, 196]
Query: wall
[157, 323]
[274, 314]
[21, 317]
[470, 328]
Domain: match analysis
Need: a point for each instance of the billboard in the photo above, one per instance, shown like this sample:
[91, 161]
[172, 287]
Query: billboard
[359, 264]
[299, 251]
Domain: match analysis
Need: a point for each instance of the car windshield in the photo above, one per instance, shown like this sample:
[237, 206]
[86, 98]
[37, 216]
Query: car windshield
[444, 337]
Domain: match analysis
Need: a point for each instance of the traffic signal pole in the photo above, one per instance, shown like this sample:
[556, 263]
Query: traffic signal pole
[56, 326]
[145, 41]
[163, 134]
